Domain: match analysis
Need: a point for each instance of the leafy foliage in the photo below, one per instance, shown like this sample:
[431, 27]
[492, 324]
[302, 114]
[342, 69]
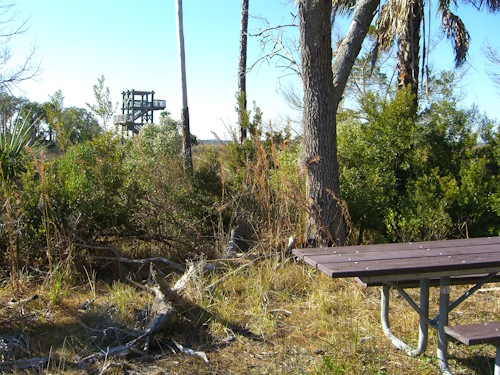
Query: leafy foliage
[104, 107]
[427, 176]
[12, 148]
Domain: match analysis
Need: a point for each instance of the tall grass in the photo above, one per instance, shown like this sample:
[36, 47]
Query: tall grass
[272, 187]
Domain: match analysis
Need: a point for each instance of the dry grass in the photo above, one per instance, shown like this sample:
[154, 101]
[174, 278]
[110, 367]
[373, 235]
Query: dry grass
[268, 318]
[263, 314]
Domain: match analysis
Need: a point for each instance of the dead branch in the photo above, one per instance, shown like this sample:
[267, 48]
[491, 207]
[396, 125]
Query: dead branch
[131, 332]
[161, 309]
[188, 351]
[228, 252]
[26, 316]
[13, 304]
[23, 364]
[181, 284]
[110, 366]
[118, 257]
[277, 46]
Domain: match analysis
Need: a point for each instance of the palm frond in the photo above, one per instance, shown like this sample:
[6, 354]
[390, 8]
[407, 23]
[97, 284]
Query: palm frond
[343, 7]
[445, 4]
[455, 30]
[391, 22]
[12, 146]
[339, 7]
[491, 6]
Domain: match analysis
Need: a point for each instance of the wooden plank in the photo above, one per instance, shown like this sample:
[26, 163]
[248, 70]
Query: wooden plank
[408, 265]
[474, 334]
[314, 260]
[397, 246]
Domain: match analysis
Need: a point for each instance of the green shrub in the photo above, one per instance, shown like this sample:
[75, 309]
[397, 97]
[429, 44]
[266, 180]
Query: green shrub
[82, 193]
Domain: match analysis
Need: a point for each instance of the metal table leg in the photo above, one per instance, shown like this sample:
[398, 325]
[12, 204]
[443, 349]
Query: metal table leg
[384, 317]
[438, 323]
[423, 333]
[444, 306]
[497, 360]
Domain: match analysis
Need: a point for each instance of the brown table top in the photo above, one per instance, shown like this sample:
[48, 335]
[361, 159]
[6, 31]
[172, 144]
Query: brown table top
[407, 261]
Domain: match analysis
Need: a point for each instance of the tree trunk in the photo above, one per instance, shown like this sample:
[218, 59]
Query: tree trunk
[324, 85]
[186, 142]
[242, 70]
[186, 134]
[408, 51]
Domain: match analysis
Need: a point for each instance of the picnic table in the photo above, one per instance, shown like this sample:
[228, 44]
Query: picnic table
[415, 264]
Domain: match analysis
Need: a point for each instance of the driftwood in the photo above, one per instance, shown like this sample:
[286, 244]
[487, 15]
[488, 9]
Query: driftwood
[162, 309]
[121, 259]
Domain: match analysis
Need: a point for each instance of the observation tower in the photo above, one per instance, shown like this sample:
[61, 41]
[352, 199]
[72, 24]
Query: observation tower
[137, 109]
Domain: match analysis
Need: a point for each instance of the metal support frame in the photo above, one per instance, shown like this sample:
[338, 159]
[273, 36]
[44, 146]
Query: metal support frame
[138, 109]
[444, 307]
[423, 331]
[497, 361]
[439, 322]
[423, 311]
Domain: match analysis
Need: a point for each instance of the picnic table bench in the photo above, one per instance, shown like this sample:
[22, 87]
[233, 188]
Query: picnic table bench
[409, 265]
[479, 333]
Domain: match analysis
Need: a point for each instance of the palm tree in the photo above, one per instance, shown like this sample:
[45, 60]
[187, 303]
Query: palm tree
[403, 19]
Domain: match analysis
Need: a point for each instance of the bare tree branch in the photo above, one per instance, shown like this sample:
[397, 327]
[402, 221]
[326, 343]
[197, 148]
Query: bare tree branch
[118, 257]
[493, 57]
[12, 74]
[276, 46]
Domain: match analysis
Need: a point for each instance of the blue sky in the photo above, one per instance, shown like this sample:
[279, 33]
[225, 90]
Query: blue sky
[134, 44]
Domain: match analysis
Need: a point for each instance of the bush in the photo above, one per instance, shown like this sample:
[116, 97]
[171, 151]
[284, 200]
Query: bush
[82, 193]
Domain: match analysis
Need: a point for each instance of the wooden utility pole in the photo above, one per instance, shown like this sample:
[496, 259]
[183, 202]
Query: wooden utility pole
[186, 134]
[242, 71]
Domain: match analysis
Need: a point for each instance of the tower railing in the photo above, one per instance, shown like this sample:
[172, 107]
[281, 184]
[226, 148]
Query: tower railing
[138, 106]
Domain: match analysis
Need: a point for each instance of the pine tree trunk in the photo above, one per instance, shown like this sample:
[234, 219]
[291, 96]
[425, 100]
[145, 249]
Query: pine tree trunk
[325, 219]
[324, 85]
[186, 134]
[408, 51]
[242, 70]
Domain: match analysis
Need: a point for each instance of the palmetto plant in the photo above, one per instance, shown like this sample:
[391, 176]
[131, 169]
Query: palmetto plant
[12, 148]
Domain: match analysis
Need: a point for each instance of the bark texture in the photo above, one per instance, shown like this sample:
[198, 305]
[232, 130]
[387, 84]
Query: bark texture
[324, 85]
[186, 134]
[186, 142]
[408, 50]
[242, 69]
